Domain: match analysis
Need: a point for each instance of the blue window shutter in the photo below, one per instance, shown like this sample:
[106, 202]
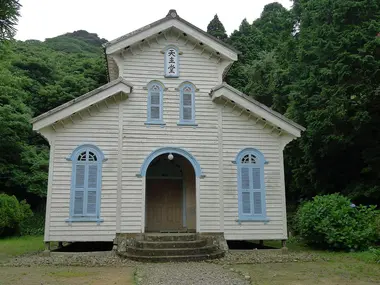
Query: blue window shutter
[92, 176]
[155, 106]
[91, 202]
[86, 183]
[256, 177]
[187, 107]
[251, 185]
[245, 181]
[78, 202]
[155, 98]
[246, 202]
[79, 189]
[187, 104]
[92, 188]
[257, 203]
[79, 175]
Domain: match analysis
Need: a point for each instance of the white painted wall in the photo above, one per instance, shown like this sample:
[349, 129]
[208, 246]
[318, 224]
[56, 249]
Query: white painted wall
[140, 140]
[100, 129]
[221, 133]
[240, 132]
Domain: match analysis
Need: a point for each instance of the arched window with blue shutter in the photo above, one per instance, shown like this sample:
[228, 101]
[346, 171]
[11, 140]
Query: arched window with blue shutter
[86, 183]
[155, 103]
[251, 185]
[187, 104]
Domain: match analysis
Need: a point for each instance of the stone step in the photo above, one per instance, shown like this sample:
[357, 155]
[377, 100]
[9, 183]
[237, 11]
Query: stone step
[171, 251]
[171, 244]
[170, 237]
[174, 258]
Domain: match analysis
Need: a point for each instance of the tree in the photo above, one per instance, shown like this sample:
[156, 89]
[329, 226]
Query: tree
[216, 29]
[335, 95]
[35, 77]
[9, 13]
[267, 48]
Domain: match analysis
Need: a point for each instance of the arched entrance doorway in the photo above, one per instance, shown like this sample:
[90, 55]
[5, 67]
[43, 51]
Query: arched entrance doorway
[170, 191]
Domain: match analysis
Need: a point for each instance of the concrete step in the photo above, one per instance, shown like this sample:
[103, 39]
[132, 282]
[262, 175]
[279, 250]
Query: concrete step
[174, 258]
[171, 244]
[171, 251]
[159, 237]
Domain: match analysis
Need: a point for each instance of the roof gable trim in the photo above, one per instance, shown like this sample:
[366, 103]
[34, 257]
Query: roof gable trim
[78, 104]
[261, 110]
[171, 20]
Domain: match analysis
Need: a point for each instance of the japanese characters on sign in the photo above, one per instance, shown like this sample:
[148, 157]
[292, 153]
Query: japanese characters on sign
[171, 62]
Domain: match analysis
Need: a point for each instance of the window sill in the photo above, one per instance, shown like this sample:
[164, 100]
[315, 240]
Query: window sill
[155, 123]
[189, 124]
[84, 219]
[252, 219]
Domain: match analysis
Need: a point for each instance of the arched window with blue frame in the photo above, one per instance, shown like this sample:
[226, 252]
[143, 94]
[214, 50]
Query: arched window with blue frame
[86, 182]
[155, 103]
[187, 104]
[251, 185]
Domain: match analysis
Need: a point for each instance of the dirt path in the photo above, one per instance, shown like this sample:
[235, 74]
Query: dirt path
[48, 275]
[195, 273]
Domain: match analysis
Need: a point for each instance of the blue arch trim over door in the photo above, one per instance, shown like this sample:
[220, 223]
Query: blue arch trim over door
[174, 150]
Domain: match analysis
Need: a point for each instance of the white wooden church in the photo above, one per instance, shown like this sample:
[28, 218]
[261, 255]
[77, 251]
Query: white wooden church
[166, 146]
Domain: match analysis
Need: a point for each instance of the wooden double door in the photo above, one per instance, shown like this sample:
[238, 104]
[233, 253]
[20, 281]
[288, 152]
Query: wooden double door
[164, 205]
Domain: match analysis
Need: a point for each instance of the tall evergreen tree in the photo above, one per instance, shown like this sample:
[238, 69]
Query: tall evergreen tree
[336, 96]
[9, 13]
[216, 29]
[249, 41]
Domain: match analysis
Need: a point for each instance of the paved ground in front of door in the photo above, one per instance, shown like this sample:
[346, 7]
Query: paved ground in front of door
[191, 273]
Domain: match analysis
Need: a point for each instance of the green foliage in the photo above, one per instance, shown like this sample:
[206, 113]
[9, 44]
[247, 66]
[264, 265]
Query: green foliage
[330, 221]
[377, 225]
[9, 13]
[319, 64]
[34, 78]
[33, 225]
[77, 42]
[336, 96]
[375, 254]
[216, 29]
[12, 213]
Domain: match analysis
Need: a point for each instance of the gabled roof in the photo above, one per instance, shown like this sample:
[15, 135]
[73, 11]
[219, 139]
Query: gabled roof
[78, 104]
[257, 108]
[171, 20]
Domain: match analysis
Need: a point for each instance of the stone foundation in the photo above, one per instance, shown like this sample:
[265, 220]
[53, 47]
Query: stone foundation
[162, 247]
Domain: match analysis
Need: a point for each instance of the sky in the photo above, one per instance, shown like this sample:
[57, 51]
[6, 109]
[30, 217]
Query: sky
[110, 19]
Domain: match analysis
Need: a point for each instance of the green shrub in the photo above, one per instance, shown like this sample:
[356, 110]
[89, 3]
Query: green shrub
[33, 225]
[331, 221]
[12, 213]
[376, 254]
[377, 224]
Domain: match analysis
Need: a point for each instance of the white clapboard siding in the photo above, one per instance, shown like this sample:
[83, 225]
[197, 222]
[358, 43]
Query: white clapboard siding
[100, 129]
[140, 140]
[219, 135]
[240, 132]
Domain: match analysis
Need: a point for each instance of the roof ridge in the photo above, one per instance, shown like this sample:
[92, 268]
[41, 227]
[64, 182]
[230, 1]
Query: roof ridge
[172, 14]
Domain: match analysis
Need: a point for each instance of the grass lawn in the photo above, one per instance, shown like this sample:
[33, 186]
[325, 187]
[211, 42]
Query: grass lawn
[336, 268]
[10, 247]
[66, 275]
